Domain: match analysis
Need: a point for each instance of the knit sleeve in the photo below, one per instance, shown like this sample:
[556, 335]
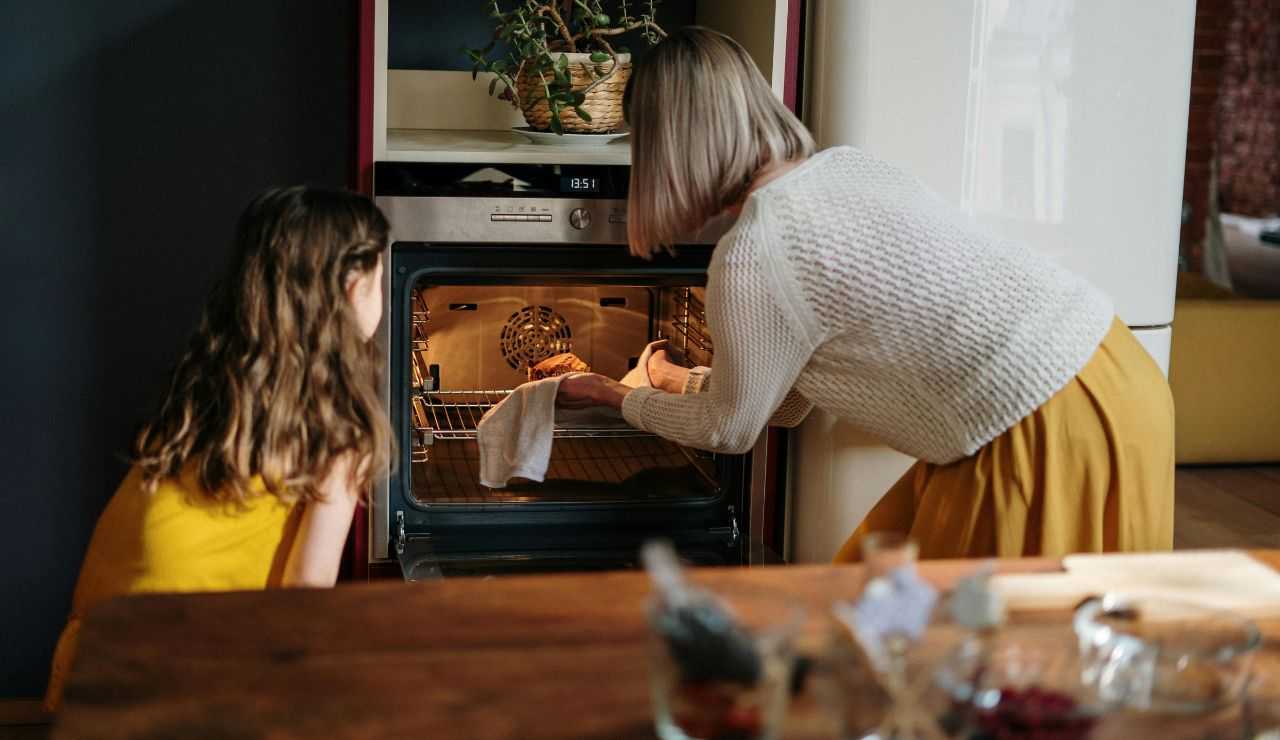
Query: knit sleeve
[795, 407]
[761, 347]
[793, 410]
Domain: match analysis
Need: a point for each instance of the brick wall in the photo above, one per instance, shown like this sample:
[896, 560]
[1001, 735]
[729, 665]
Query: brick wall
[1235, 107]
[1248, 108]
[1202, 122]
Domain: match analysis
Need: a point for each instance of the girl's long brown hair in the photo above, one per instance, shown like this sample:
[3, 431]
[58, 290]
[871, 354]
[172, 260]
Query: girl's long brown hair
[278, 380]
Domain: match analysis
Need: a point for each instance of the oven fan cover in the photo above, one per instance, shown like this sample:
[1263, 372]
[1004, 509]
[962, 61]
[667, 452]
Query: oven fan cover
[533, 334]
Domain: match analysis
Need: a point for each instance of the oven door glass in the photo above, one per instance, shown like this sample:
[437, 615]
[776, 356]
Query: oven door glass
[467, 321]
[508, 551]
[471, 344]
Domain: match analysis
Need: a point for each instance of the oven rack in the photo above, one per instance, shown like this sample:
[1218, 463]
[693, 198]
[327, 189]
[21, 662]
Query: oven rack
[455, 415]
[689, 324]
[579, 470]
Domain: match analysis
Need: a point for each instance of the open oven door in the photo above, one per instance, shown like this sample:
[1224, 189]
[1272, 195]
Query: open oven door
[468, 320]
[516, 552]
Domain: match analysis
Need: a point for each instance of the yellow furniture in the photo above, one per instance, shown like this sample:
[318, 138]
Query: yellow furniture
[1224, 369]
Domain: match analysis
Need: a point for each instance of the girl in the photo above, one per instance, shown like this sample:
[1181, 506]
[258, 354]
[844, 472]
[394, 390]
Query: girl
[271, 426]
[1040, 424]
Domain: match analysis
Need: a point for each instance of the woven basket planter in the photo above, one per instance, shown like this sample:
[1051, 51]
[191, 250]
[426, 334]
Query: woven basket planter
[603, 103]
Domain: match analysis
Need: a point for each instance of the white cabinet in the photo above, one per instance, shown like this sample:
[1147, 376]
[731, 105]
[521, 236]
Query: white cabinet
[1061, 124]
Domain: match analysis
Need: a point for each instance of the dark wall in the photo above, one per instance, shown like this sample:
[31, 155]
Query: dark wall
[131, 134]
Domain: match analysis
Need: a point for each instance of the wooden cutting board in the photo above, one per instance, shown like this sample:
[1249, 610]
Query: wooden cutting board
[1225, 579]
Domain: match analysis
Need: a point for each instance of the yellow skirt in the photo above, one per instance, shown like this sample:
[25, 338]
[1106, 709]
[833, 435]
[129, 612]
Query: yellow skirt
[1091, 470]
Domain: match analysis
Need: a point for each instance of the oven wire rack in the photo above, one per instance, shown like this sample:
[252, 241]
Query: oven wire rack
[689, 324]
[455, 415]
[608, 452]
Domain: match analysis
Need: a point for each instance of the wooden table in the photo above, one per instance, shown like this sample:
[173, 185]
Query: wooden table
[520, 657]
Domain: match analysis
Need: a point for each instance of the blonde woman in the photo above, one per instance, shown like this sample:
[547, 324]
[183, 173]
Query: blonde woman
[1040, 424]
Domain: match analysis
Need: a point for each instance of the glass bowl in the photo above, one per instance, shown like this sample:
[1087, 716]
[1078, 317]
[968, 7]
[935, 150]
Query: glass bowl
[1119, 654]
[1022, 681]
[1162, 655]
[718, 705]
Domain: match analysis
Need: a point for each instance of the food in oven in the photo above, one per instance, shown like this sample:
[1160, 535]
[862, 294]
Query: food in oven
[561, 364]
[472, 344]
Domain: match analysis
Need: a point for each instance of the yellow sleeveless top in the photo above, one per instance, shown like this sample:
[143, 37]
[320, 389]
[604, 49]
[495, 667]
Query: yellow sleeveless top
[175, 540]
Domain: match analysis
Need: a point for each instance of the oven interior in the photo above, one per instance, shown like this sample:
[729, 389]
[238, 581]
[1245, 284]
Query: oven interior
[470, 344]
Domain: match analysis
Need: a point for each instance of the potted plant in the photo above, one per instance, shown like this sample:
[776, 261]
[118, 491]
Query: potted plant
[563, 71]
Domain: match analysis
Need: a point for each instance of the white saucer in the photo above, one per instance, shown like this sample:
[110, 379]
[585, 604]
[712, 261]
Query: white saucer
[548, 138]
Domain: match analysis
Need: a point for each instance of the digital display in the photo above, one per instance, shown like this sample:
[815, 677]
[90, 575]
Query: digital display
[579, 184]
[498, 180]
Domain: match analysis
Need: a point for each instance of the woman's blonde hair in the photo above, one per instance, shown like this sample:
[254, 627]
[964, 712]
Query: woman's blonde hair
[278, 380]
[703, 122]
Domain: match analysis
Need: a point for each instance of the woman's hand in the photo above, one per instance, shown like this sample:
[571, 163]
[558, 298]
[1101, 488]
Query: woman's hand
[581, 390]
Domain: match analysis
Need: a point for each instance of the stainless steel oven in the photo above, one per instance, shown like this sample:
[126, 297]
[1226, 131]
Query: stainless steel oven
[493, 267]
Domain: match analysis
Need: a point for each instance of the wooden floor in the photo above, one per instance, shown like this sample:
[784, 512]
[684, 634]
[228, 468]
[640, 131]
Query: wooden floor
[1227, 506]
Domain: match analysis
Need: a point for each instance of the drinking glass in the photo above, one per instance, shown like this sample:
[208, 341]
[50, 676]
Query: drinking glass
[893, 697]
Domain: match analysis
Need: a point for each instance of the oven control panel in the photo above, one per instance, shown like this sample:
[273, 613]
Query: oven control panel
[552, 220]
[503, 204]
[524, 217]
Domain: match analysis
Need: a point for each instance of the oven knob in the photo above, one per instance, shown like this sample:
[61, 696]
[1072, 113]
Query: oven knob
[579, 218]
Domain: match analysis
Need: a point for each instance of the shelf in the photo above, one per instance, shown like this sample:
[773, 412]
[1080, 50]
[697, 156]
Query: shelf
[597, 470]
[498, 147]
[456, 415]
[593, 459]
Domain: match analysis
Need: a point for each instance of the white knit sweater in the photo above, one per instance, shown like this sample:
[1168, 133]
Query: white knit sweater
[847, 284]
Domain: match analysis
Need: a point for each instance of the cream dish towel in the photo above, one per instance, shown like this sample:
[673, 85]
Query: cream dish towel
[515, 436]
[638, 376]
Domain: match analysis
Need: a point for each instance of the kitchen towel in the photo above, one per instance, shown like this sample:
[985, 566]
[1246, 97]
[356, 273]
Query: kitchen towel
[515, 436]
[638, 376]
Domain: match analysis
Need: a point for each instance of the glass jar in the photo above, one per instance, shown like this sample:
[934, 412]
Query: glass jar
[879, 683]
[736, 705]
[1162, 655]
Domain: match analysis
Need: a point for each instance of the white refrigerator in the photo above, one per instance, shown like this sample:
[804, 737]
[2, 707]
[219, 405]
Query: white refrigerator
[1059, 123]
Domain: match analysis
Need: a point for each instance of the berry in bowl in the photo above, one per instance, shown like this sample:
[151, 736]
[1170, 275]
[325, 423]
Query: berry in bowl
[711, 677]
[1018, 682]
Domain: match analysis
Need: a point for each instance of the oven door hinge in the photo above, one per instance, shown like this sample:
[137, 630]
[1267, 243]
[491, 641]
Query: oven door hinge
[734, 534]
[418, 561]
